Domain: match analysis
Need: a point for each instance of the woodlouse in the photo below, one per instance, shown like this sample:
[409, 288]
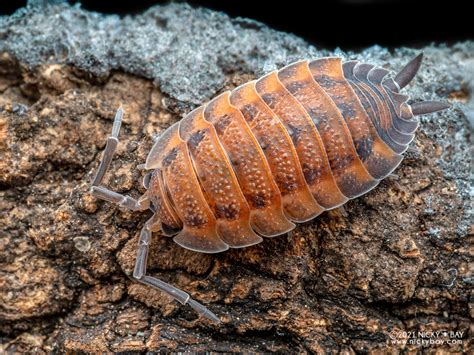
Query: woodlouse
[274, 151]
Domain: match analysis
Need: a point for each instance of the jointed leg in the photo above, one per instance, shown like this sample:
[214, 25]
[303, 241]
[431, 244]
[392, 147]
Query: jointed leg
[104, 193]
[109, 151]
[145, 235]
[139, 273]
[119, 199]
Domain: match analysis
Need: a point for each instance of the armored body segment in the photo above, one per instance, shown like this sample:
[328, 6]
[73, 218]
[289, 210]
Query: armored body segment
[402, 118]
[405, 121]
[295, 142]
[159, 195]
[250, 167]
[220, 186]
[361, 72]
[158, 151]
[350, 174]
[403, 109]
[388, 159]
[165, 212]
[199, 224]
[375, 77]
[382, 120]
[398, 105]
[306, 140]
[378, 159]
[298, 203]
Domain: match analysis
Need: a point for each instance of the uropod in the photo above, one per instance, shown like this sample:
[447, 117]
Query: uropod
[273, 152]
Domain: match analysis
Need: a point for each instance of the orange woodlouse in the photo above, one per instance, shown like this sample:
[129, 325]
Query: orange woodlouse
[274, 151]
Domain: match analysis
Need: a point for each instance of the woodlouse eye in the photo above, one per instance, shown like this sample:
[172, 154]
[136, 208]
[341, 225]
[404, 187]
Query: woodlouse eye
[146, 181]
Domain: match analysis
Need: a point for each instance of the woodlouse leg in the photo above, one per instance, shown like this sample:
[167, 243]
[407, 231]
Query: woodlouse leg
[121, 200]
[104, 193]
[110, 148]
[139, 274]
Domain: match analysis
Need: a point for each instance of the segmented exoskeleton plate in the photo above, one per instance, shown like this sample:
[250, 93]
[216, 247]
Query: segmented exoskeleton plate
[278, 150]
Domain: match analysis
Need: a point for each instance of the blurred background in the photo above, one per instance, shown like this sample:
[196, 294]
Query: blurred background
[349, 24]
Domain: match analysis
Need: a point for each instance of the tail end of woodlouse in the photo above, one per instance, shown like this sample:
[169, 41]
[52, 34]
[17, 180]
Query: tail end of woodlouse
[423, 108]
[406, 75]
[402, 79]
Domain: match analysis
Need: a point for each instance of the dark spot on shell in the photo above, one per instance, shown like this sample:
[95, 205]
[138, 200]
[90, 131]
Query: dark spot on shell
[227, 211]
[249, 111]
[364, 147]
[235, 162]
[347, 110]
[257, 200]
[311, 174]
[270, 99]
[196, 138]
[325, 81]
[194, 220]
[222, 124]
[263, 144]
[339, 164]
[295, 86]
[286, 185]
[170, 157]
[294, 132]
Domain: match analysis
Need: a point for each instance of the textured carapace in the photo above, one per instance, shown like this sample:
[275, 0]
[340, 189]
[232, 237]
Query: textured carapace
[274, 151]
[278, 150]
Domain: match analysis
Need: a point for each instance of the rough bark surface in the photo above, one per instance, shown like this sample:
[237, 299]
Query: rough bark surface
[397, 259]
